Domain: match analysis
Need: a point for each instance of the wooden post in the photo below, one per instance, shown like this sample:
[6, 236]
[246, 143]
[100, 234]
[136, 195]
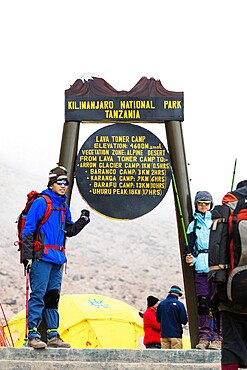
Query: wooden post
[178, 159]
[68, 152]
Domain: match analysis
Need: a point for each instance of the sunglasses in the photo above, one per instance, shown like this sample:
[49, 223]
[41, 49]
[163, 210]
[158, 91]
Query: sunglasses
[65, 183]
[202, 202]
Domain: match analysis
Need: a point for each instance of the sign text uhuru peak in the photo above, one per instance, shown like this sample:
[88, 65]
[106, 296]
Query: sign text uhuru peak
[125, 109]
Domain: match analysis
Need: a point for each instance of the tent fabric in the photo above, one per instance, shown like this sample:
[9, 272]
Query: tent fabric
[99, 322]
[90, 321]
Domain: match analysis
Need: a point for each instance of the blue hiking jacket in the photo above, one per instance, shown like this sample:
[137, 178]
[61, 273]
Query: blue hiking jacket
[171, 314]
[201, 242]
[52, 232]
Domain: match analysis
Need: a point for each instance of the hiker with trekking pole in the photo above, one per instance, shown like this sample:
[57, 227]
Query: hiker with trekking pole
[196, 242]
[41, 242]
[197, 256]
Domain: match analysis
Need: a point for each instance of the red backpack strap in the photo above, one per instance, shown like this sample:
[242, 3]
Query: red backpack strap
[234, 237]
[45, 216]
[48, 209]
[64, 213]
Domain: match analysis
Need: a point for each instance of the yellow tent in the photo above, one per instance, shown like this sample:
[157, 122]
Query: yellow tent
[92, 321]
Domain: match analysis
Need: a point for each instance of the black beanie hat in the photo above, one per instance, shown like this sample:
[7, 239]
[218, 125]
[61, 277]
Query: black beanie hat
[152, 300]
[57, 173]
[241, 184]
[176, 289]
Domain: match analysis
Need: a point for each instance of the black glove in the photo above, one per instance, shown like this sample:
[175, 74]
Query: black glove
[141, 314]
[85, 214]
[27, 264]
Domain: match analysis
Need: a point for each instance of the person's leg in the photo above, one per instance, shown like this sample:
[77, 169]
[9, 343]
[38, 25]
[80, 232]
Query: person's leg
[51, 300]
[217, 322]
[176, 343]
[165, 343]
[153, 346]
[203, 299]
[234, 344]
[39, 278]
[217, 334]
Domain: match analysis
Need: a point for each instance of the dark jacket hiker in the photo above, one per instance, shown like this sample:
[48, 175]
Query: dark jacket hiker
[172, 315]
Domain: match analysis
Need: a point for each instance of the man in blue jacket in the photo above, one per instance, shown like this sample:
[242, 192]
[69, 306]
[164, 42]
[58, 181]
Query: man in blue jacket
[44, 257]
[171, 314]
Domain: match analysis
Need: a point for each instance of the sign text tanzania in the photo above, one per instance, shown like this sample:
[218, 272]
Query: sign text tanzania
[124, 109]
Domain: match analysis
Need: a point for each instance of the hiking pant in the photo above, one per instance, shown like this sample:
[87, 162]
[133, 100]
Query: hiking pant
[45, 283]
[205, 289]
[171, 343]
[153, 345]
[234, 345]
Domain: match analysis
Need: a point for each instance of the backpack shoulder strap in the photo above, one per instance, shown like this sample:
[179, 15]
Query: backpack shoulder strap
[195, 227]
[46, 214]
[241, 205]
[48, 208]
[194, 233]
[232, 234]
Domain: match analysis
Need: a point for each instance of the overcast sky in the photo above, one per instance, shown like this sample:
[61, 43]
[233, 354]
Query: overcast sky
[198, 47]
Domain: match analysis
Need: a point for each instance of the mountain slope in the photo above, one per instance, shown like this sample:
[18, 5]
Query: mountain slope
[126, 260]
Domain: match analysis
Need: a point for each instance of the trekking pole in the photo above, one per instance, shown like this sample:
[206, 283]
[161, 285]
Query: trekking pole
[7, 325]
[27, 290]
[234, 171]
[3, 339]
[180, 213]
[2, 335]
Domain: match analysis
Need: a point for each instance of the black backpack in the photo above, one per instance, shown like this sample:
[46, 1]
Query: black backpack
[228, 249]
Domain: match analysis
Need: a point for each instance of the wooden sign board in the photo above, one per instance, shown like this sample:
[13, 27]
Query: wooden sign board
[148, 101]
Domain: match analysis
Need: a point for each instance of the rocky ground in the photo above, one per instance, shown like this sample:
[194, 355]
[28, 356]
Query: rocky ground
[126, 260]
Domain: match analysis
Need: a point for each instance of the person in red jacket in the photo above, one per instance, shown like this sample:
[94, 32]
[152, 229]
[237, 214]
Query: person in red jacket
[151, 326]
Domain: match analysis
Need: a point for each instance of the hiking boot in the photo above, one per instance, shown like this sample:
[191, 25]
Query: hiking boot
[36, 343]
[203, 344]
[57, 342]
[215, 344]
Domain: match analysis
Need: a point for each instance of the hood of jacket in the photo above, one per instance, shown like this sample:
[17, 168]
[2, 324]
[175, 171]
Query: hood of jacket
[207, 219]
[57, 201]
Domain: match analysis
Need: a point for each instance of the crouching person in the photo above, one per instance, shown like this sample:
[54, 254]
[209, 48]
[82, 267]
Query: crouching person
[43, 254]
[151, 326]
